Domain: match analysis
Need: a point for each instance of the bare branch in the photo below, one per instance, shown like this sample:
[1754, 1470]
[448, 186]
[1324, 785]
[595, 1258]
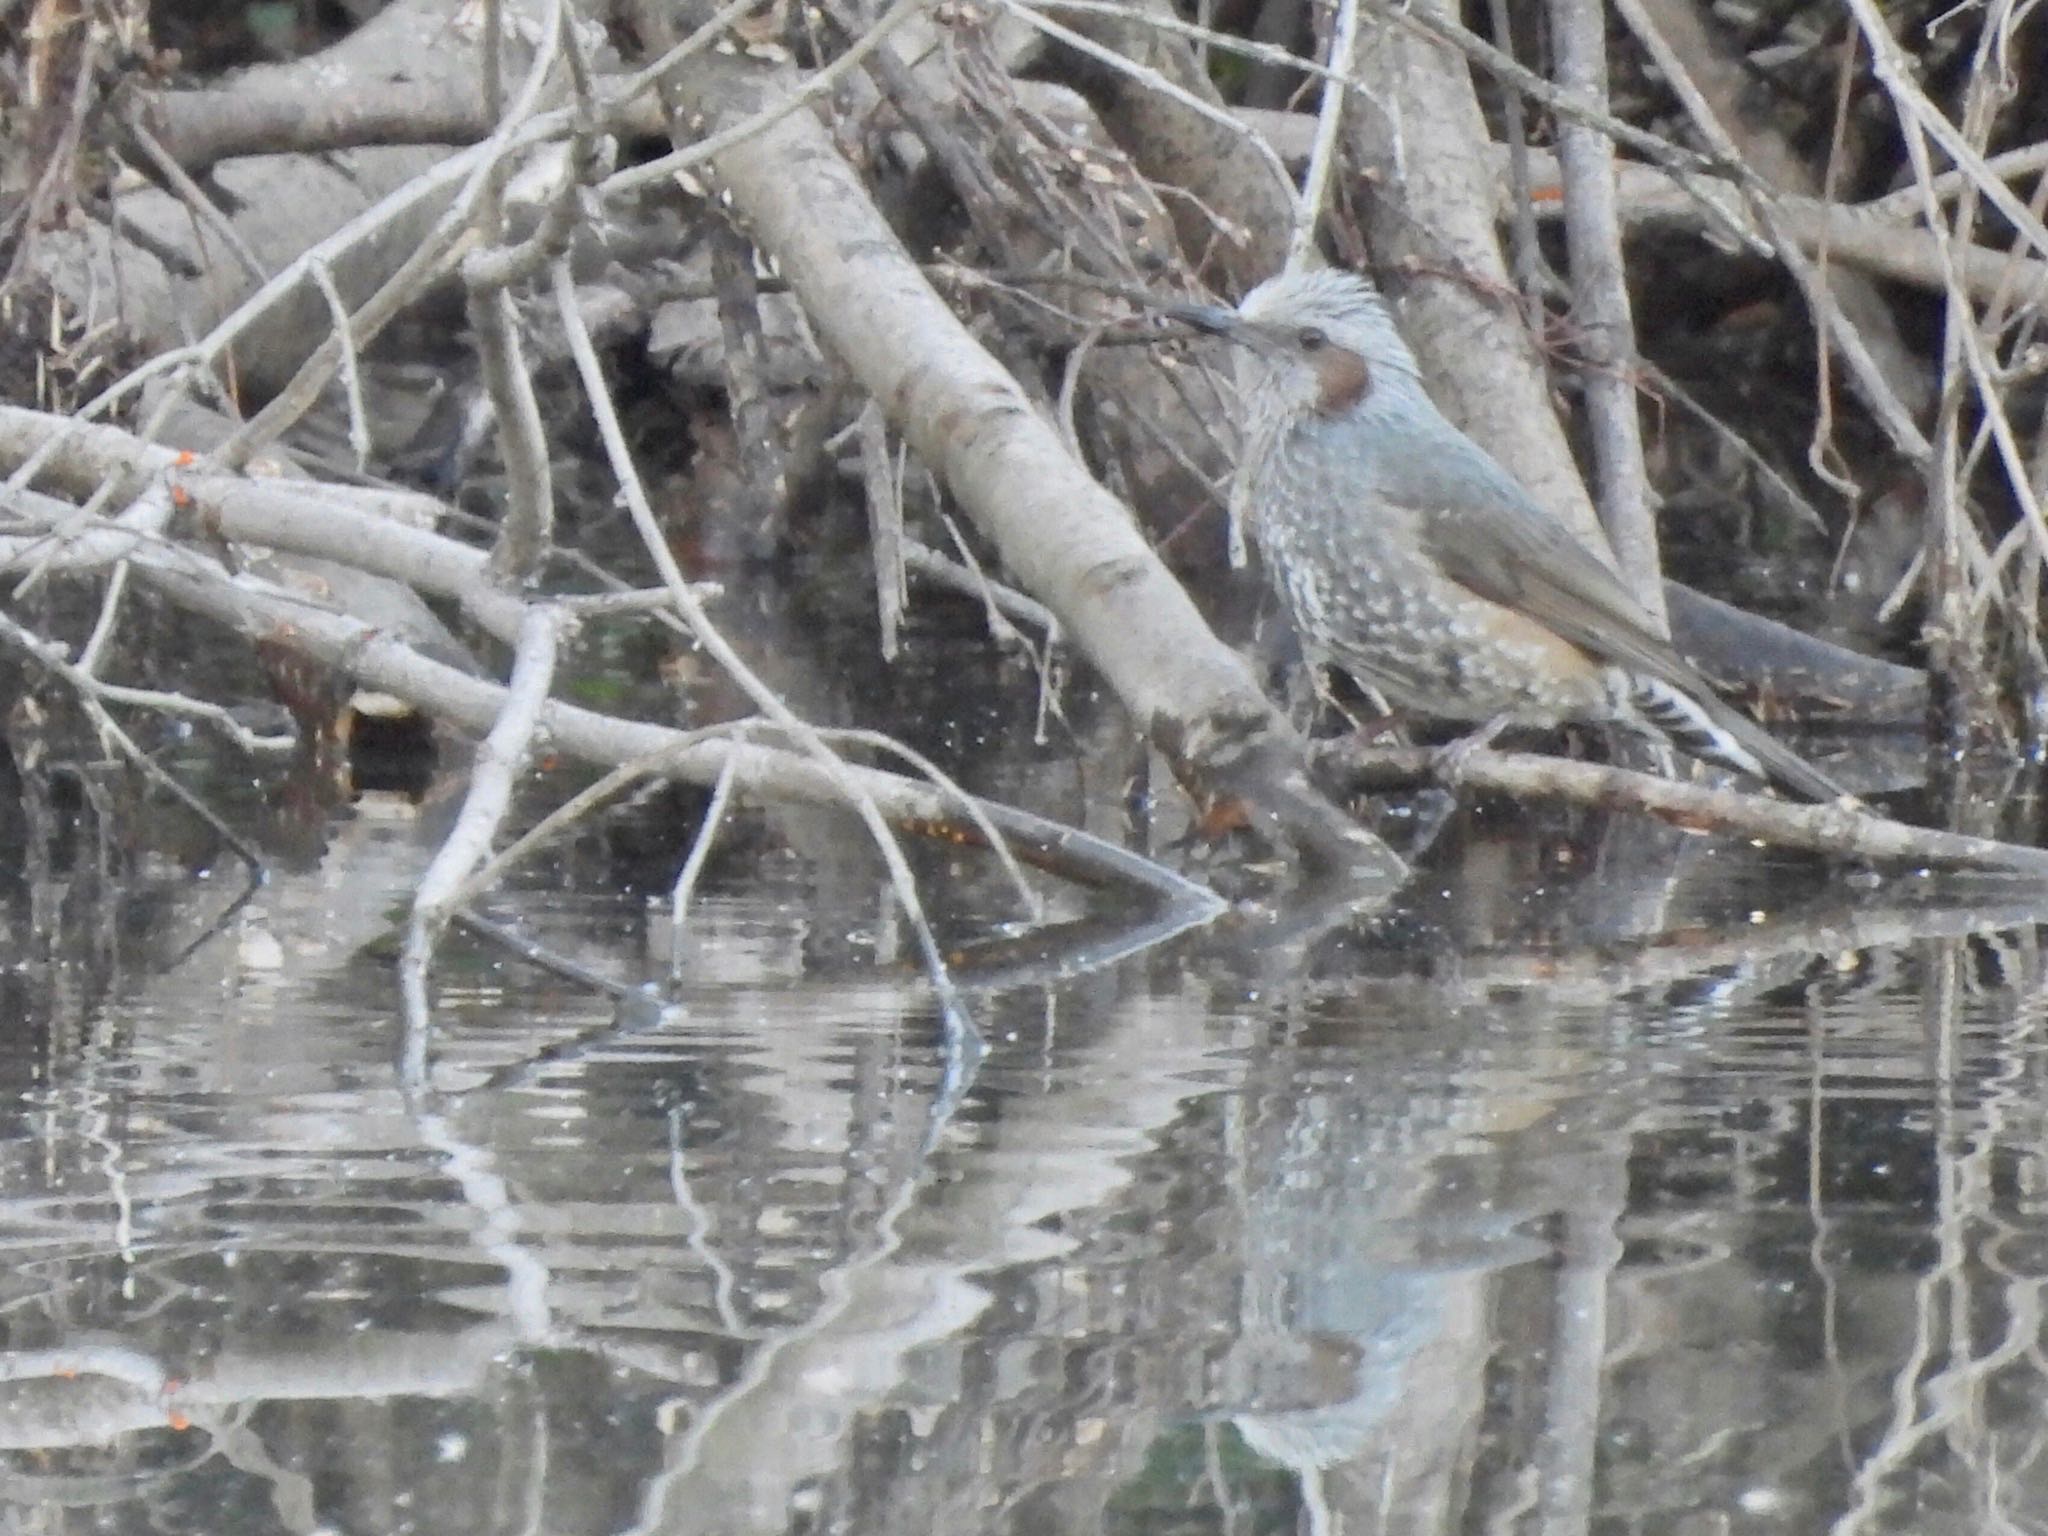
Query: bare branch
[1315, 186]
[770, 703]
[1600, 308]
[493, 774]
[1067, 540]
[1839, 830]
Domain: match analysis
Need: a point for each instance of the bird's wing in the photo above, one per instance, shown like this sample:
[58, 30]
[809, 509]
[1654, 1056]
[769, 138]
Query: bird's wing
[1488, 536]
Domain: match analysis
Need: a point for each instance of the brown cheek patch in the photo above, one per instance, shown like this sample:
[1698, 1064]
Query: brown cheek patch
[1342, 380]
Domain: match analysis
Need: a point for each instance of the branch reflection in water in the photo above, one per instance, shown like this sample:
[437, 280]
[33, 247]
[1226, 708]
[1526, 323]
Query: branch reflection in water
[1607, 1176]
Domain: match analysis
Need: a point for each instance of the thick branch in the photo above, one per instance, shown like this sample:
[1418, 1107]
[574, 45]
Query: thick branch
[1069, 542]
[1421, 137]
[288, 514]
[406, 76]
[1600, 307]
[1747, 653]
[1882, 237]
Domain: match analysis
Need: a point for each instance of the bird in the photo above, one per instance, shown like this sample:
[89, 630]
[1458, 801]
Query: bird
[1410, 560]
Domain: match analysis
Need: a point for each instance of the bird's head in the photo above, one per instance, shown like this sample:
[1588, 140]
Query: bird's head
[1318, 343]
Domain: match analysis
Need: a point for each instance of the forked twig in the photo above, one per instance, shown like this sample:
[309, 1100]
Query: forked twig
[597, 392]
[493, 775]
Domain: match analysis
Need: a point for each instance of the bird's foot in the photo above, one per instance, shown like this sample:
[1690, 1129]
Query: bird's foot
[1362, 711]
[1390, 727]
[1449, 761]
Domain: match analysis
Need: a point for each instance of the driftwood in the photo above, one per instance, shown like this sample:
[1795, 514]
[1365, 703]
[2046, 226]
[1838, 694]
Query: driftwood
[973, 372]
[307, 518]
[896, 268]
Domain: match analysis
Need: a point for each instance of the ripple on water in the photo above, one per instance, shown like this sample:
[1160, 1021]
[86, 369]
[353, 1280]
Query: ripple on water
[1186, 1243]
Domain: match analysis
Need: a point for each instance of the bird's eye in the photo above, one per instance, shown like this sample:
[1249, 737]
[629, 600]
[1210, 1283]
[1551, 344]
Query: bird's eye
[1310, 339]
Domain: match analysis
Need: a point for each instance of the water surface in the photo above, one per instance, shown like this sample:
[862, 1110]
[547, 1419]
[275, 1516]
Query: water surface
[1518, 1207]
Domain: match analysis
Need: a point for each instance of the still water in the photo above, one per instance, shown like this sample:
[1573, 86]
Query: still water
[1729, 1218]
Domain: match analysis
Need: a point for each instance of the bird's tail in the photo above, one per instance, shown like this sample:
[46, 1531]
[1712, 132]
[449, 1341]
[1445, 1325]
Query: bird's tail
[1708, 728]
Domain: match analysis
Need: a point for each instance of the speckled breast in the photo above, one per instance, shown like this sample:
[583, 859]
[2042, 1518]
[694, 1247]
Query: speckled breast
[1363, 597]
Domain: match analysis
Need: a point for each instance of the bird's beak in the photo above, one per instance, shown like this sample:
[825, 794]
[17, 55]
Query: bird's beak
[1210, 319]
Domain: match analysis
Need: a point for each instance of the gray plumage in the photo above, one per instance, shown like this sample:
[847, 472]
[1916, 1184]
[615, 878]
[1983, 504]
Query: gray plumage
[1409, 558]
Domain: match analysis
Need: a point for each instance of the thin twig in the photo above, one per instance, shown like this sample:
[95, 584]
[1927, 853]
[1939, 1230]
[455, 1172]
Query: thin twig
[351, 372]
[564, 816]
[885, 522]
[715, 644]
[1070, 386]
[494, 774]
[693, 866]
[1895, 73]
[973, 581]
[1839, 830]
[1322, 157]
[94, 651]
[89, 690]
[817, 83]
[1031, 12]
[1532, 275]
[193, 196]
